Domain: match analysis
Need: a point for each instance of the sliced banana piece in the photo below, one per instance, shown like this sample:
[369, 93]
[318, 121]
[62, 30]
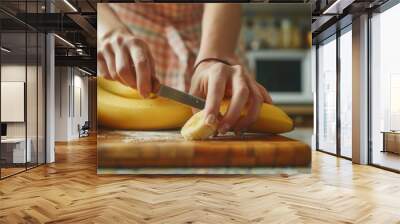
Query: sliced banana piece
[197, 129]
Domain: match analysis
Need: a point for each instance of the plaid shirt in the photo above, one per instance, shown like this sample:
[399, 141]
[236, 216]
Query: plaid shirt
[172, 32]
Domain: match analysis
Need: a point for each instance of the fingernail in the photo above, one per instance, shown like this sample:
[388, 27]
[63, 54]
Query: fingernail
[224, 129]
[211, 119]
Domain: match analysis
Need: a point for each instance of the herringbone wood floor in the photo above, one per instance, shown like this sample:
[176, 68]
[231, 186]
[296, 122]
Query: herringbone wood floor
[69, 191]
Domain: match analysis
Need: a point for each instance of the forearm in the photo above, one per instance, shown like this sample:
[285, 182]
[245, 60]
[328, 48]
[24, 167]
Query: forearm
[220, 31]
[107, 21]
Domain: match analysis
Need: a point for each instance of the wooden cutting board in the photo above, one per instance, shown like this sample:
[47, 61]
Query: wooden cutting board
[132, 149]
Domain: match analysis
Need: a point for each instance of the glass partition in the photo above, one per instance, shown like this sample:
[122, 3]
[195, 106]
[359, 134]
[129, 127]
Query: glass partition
[327, 96]
[346, 93]
[385, 89]
[22, 77]
[15, 149]
[31, 100]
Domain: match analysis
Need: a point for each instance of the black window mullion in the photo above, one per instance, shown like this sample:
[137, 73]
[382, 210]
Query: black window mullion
[369, 100]
[72, 92]
[45, 93]
[44, 79]
[317, 97]
[37, 90]
[1, 166]
[338, 77]
[26, 87]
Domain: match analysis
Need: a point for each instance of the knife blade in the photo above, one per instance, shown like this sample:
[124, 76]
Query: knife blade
[181, 97]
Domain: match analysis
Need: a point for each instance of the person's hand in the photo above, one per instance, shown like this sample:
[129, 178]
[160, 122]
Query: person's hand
[214, 80]
[123, 57]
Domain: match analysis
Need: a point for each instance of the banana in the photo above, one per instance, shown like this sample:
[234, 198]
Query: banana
[271, 120]
[120, 107]
[196, 128]
[118, 89]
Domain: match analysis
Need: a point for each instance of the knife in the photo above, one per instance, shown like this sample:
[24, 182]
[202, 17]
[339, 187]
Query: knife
[181, 97]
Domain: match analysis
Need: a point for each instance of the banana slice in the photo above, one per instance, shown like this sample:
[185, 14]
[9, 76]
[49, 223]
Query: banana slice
[196, 128]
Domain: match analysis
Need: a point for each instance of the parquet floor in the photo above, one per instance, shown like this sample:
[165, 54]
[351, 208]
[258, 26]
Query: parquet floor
[69, 191]
[10, 171]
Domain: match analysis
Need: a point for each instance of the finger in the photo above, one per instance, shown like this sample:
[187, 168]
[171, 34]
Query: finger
[119, 79]
[143, 69]
[195, 91]
[155, 84]
[265, 94]
[109, 58]
[269, 98]
[253, 110]
[124, 69]
[215, 94]
[195, 88]
[102, 66]
[240, 94]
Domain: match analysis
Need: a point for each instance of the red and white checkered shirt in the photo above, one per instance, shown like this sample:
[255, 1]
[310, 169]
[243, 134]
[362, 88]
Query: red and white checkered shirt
[172, 32]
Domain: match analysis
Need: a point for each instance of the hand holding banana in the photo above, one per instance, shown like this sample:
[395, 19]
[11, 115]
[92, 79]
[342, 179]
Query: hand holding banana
[117, 52]
[120, 106]
[215, 81]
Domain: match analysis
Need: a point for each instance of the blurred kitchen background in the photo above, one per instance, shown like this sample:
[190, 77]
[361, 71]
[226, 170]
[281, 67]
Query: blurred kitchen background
[277, 42]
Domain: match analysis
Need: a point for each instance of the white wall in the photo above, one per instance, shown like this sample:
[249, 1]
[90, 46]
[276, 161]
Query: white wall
[61, 103]
[33, 126]
[80, 100]
[15, 73]
[71, 87]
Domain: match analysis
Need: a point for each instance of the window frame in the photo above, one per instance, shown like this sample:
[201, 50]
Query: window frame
[381, 9]
[31, 30]
[345, 26]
